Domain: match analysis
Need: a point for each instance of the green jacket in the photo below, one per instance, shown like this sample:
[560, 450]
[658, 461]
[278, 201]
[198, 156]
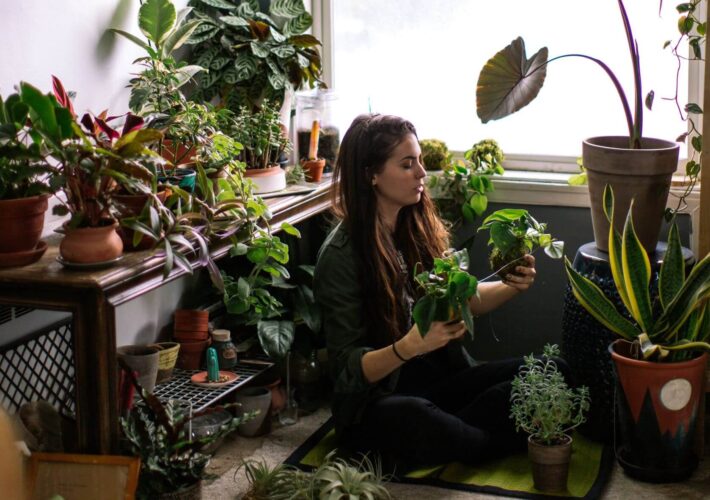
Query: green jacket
[338, 291]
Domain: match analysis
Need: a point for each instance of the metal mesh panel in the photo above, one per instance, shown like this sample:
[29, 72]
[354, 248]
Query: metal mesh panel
[39, 366]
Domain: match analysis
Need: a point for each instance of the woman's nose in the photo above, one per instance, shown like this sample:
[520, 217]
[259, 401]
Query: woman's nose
[421, 171]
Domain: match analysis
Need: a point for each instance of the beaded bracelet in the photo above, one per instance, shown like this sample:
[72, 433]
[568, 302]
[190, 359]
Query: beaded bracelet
[394, 349]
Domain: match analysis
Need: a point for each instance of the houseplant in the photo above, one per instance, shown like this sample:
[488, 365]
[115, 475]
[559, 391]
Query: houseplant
[172, 464]
[513, 234]
[435, 154]
[658, 370]
[510, 81]
[545, 407]
[252, 55]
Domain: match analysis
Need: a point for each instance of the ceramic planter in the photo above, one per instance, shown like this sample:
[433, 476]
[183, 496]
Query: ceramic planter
[267, 180]
[21, 225]
[550, 464]
[167, 357]
[181, 177]
[142, 359]
[314, 169]
[657, 405]
[253, 399]
[643, 175]
[91, 245]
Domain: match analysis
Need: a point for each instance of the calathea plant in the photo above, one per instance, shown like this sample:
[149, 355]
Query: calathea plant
[446, 288]
[513, 234]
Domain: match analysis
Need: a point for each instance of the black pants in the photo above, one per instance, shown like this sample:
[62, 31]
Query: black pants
[436, 417]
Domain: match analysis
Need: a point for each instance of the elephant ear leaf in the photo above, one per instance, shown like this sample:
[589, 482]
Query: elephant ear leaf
[509, 81]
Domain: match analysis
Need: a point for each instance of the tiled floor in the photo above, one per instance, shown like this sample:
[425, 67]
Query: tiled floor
[279, 444]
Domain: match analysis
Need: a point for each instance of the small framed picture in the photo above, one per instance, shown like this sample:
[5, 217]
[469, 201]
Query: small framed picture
[82, 477]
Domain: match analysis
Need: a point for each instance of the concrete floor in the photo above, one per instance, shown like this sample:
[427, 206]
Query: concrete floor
[278, 445]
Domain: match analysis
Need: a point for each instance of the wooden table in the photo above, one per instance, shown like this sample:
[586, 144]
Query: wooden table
[93, 296]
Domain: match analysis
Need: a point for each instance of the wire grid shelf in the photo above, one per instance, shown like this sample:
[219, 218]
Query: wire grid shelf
[179, 386]
[41, 366]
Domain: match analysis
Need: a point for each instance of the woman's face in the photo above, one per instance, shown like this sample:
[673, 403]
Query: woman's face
[401, 181]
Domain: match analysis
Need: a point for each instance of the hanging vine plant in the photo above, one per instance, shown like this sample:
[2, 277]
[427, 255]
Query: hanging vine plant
[252, 55]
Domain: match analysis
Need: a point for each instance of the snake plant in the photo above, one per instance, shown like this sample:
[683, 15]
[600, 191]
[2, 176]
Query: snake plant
[667, 328]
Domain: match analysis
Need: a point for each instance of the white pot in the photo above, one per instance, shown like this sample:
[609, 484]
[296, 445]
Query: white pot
[267, 180]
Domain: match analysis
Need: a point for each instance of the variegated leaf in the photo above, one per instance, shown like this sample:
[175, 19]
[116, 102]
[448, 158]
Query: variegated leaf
[297, 25]
[637, 274]
[287, 8]
[672, 274]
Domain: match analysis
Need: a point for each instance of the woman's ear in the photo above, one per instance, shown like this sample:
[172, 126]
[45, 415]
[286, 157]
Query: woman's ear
[374, 180]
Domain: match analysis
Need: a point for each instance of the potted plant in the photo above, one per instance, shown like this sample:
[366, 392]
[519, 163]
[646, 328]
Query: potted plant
[659, 372]
[172, 462]
[510, 81]
[547, 409]
[263, 140]
[435, 154]
[513, 234]
[460, 190]
[25, 174]
[252, 55]
[313, 165]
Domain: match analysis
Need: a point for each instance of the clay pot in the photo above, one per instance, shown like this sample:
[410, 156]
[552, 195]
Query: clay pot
[314, 169]
[191, 354]
[190, 335]
[550, 464]
[90, 245]
[142, 359]
[253, 399]
[21, 223]
[278, 396]
[191, 319]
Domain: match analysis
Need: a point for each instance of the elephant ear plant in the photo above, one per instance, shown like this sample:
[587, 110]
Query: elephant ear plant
[669, 330]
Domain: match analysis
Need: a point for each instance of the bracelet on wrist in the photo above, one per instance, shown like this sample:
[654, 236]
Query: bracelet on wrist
[394, 349]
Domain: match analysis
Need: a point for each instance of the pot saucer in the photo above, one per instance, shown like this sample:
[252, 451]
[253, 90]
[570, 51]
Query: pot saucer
[88, 266]
[200, 378]
[12, 259]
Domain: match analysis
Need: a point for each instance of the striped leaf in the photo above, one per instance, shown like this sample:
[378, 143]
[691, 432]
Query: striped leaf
[595, 302]
[298, 25]
[287, 8]
[177, 38]
[637, 275]
[672, 274]
[617, 271]
[220, 4]
[245, 66]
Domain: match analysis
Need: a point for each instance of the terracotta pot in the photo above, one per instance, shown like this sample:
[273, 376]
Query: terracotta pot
[267, 180]
[167, 358]
[278, 396]
[191, 354]
[21, 223]
[314, 169]
[131, 205]
[191, 316]
[192, 492]
[88, 245]
[190, 335]
[142, 359]
[657, 405]
[550, 464]
[177, 154]
[643, 175]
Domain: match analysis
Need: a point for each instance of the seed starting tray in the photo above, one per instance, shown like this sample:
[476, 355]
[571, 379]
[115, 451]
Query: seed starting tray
[179, 386]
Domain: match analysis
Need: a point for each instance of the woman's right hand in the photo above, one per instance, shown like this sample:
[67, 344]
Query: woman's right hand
[440, 333]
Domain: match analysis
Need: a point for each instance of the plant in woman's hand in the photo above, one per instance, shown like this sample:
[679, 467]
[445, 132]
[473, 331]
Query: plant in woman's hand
[515, 233]
[447, 288]
[542, 404]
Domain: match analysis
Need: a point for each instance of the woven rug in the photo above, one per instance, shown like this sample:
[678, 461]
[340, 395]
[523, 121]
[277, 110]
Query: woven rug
[589, 470]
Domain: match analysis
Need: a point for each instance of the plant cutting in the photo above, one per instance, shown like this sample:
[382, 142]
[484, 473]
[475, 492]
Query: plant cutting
[509, 81]
[313, 165]
[513, 234]
[546, 408]
[460, 190]
[252, 55]
[658, 369]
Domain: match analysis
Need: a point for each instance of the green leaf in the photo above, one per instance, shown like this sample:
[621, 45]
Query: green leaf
[41, 109]
[578, 179]
[304, 41]
[424, 312]
[298, 24]
[649, 100]
[259, 49]
[697, 143]
[509, 81]
[246, 66]
[637, 274]
[289, 229]
[131, 37]
[275, 337]
[234, 20]
[555, 250]
[502, 237]
[156, 18]
[220, 4]
[177, 38]
[590, 296]
[672, 273]
[286, 8]
[479, 203]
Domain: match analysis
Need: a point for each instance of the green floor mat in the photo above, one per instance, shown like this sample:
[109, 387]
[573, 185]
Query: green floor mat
[511, 476]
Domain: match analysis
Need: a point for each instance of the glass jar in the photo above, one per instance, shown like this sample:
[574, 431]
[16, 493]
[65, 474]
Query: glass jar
[226, 351]
[317, 105]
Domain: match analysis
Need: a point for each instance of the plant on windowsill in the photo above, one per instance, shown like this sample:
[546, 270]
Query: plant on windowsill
[435, 154]
[547, 409]
[659, 371]
[513, 234]
[509, 81]
[460, 191]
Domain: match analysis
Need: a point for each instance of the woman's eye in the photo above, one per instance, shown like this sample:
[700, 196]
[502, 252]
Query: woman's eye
[407, 165]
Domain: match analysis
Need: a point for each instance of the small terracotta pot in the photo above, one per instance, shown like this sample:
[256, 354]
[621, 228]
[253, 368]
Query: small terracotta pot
[278, 396]
[21, 223]
[191, 354]
[191, 316]
[314, 169]
[89, 245]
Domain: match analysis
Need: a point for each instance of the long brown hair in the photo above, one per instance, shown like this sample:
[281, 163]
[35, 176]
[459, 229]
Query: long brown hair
[419, 233]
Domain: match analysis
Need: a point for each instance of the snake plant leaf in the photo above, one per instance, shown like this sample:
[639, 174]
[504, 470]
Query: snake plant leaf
[695, 323]
[617, 271]
[637, 274]
[156, 18]
[593, 300]
[509, 81]
[650, 350]
[695, 291]
[672, 274]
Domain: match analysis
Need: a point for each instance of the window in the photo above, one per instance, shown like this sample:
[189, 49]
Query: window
[421, 59]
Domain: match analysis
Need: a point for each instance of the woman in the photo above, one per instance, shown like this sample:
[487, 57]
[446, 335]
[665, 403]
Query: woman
[409, 397]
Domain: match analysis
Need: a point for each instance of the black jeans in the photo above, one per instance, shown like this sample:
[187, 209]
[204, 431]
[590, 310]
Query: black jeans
[435, 417]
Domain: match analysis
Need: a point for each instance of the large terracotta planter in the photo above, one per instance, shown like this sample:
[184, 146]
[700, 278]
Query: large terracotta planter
[21, 223]
[640, 174]
[91, 245]
[550, 464]
[658, 405]
[267, 180]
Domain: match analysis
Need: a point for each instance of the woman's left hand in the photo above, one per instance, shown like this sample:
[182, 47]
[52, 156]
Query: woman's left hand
[522, 283]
